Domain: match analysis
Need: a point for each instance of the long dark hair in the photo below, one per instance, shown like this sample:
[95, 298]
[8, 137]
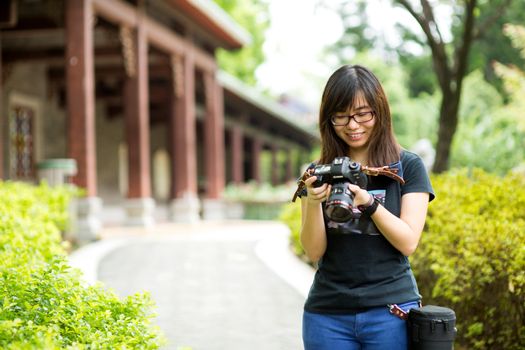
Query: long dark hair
[339, 94]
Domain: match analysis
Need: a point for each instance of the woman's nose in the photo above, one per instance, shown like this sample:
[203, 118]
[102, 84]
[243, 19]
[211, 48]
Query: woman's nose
[352, 124]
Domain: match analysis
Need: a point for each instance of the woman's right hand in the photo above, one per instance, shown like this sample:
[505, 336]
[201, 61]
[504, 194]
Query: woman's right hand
[316, 195]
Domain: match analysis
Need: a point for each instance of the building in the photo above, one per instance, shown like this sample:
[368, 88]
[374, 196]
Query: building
[131, 91]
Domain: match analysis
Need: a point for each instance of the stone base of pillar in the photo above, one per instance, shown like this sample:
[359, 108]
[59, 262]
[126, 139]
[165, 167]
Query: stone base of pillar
[139, 212]
[185, 209]
[87, 224]
[213, 209]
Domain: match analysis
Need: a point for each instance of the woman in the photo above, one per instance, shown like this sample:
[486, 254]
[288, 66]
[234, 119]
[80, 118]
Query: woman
[362, 263]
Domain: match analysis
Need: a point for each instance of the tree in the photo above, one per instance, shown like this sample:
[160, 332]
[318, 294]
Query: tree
[253, 16]
[497, 47]
[450, 60]
[355, 38]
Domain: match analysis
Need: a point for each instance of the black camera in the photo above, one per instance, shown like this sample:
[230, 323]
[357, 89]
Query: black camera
[339, 173]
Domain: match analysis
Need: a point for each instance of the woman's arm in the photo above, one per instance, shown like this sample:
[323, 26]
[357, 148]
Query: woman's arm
[403, 232]
[313, 234]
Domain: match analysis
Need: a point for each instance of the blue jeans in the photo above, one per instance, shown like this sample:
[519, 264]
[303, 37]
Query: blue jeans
[374, 329]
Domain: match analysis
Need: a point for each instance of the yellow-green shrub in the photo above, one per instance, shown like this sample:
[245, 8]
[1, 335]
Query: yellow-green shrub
[43, 302]
[291, 216]
[472, 256]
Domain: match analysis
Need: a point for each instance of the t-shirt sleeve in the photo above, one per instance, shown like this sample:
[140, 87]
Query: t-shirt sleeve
[416, 176]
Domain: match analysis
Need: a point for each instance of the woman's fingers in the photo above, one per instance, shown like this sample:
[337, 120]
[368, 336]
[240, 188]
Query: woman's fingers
[318, 192]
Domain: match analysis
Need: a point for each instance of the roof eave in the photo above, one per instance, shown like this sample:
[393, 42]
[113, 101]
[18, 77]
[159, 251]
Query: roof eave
[213, 18]
[254, 97]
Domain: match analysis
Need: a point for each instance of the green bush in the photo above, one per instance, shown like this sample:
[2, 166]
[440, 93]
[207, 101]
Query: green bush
[43, 302]
[260, 201]
[291, 216]
[472, 256]
[259, 192]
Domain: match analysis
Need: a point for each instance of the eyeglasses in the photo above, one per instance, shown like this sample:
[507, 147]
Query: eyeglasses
[359, 118]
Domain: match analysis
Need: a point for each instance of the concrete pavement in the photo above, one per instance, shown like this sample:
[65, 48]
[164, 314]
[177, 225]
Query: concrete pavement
[217, 285]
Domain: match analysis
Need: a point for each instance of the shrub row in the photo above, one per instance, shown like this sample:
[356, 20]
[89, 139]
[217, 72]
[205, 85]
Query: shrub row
[44, 304]
[471, 257]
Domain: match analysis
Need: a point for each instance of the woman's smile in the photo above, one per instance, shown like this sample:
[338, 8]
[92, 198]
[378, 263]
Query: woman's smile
[355, 136]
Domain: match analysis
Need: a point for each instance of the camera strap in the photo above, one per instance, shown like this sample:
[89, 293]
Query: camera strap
[386, 170]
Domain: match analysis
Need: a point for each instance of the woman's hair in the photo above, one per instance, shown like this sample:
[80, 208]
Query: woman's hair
[339, 95]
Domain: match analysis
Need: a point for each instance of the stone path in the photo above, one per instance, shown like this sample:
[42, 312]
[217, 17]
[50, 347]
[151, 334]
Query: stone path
[225, 285]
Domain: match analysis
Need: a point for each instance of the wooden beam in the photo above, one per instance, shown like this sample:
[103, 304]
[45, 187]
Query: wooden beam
[117, 12]
[123, 14]
[38, 33]
[54, 54]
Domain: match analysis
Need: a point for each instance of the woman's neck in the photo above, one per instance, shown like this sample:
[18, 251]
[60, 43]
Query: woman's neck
[360, 156]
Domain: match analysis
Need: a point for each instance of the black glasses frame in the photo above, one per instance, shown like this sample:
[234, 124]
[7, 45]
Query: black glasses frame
[353, 116]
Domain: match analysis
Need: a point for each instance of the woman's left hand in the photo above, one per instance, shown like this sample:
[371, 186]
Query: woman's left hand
[361, 196]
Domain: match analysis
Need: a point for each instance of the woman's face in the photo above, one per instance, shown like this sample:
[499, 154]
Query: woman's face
[356, 135]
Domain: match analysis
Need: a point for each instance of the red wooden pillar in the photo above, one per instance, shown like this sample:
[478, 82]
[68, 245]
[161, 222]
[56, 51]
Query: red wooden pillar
[290, 162]
[182, 141]
[80, 95]
[136, 112]
[213, 148]
[214, 137]
[256, 159]
[275, 171]
[139, 205]
[237, 145]
[184, 166]
[81, 92]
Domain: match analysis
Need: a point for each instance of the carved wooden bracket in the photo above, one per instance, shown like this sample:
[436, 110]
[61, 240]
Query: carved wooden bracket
[128, 51]
[177, 78]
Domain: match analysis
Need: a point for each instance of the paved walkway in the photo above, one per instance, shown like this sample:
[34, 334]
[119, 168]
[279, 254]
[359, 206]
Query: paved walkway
[217, 285]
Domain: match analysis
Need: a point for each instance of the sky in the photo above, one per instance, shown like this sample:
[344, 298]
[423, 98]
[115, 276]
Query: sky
[298, 34]
[293, 42]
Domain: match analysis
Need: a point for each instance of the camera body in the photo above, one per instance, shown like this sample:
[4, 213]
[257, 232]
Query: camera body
[339, 173]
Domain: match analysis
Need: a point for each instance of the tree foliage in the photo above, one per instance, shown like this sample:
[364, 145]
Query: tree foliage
[450, 60]
[253, 16]
[356, 36]
[495, 46]
[514, 78]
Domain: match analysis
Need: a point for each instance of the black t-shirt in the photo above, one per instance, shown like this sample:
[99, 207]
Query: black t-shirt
[360, 268]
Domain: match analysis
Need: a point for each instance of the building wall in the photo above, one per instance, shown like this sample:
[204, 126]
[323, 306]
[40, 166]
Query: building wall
[28, 84]
[110, 133]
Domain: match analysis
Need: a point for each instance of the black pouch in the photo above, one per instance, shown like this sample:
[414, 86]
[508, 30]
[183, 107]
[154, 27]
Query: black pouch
[431, 328]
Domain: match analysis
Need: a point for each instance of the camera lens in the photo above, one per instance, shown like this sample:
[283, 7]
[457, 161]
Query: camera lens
[338, 212]
[339, 204]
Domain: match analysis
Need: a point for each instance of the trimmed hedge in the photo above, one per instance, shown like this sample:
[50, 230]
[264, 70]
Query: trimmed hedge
[471, 257]
[44, 303]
